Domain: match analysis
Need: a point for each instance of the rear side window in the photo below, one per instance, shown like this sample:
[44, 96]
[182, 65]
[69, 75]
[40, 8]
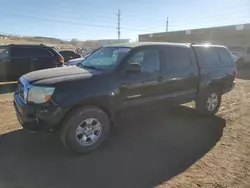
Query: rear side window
[30, 52]
[207, 55]
[225, 56]
[4, 52]
[67, 53]
[40, 52]
[176, 58]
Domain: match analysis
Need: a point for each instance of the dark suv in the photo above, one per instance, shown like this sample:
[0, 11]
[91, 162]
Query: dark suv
[16, 60]
[84, 102]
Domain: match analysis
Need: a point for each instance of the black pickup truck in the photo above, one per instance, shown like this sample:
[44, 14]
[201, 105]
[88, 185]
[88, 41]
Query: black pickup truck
[84, 102]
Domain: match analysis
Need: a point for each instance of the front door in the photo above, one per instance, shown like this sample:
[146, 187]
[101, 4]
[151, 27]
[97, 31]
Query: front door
[143, 87]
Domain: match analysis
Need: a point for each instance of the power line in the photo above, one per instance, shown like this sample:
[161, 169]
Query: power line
[92, 25]
[133, 29]
[75, 23]
[219, 9]
[60, 21]
[67, 12]
[135, 19]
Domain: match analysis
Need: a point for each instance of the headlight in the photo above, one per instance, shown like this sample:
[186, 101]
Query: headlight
[40, 94]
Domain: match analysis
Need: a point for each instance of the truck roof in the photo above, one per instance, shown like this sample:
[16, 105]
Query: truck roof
[208, 45]
[140, 44]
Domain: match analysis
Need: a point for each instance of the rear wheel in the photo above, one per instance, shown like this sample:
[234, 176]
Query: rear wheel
[85, 130]
[208, 103]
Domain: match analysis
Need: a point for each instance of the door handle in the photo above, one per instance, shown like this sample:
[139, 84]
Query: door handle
[160, 79]
[34, 59]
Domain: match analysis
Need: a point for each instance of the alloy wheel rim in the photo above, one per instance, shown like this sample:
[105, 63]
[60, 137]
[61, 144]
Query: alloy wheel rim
[88, 132]
[212, 102]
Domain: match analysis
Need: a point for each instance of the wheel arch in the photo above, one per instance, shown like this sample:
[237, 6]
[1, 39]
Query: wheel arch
[98, 103]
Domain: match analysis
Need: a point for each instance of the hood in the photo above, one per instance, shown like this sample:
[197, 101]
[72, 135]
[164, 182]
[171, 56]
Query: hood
[58, 75]
[75, 61]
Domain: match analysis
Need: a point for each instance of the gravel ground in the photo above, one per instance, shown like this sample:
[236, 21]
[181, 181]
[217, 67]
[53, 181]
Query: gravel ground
[157, 148]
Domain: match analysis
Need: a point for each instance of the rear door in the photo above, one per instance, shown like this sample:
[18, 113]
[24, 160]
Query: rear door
[20, 61]
[181, 76]
[41, 58]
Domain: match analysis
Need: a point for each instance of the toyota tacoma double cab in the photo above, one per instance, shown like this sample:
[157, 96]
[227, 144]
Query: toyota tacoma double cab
[83, 102]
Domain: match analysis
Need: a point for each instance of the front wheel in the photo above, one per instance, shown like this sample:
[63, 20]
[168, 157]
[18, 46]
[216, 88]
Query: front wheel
[208, 103]
[85, 129]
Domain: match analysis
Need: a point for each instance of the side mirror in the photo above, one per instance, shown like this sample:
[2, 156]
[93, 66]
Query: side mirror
[134, 68]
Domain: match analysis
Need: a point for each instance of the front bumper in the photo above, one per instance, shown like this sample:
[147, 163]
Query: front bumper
[37, 118]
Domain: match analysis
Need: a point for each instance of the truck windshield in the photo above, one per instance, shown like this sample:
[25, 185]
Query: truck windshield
[106, 58]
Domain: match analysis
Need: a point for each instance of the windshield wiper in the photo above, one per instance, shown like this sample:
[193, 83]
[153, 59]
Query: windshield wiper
[92, 67]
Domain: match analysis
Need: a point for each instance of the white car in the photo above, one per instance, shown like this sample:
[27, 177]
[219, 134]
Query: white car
[76, 61]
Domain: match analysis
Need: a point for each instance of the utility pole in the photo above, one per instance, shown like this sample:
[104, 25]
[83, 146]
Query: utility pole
[167, 25]
[119, 24]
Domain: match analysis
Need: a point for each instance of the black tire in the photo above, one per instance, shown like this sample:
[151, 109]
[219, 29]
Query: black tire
[74, 119]
[201, 104]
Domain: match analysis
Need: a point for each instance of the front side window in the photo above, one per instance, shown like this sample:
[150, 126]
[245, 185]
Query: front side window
[26, 52]
[68, 53]
[106, 58]
[148, 59]
[4, 52]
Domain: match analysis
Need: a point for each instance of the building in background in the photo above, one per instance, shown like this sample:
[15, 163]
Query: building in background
[233, 35]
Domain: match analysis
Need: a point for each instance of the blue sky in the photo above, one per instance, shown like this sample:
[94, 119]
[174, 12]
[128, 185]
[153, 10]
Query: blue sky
[67, 19]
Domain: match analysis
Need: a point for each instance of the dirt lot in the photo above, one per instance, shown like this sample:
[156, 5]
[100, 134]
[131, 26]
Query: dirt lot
[158, 147]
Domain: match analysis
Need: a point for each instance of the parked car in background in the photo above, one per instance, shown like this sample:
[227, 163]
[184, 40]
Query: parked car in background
[235, 55]
[68, 55]
[242, 56]
[19, 59]
[76, 61]
[84, 102]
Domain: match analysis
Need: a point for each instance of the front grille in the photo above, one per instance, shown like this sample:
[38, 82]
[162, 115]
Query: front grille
[20, 90]
[23, 89]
